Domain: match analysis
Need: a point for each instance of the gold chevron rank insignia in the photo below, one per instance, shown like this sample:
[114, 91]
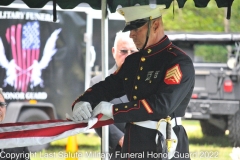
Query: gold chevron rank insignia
[173, 75]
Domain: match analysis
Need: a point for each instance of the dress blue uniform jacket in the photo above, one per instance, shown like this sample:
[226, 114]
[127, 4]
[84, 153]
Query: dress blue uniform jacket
[158, 82]
[116, 130]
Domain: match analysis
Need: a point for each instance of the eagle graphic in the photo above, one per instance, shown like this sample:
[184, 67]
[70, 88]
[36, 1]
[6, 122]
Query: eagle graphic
[20, 76]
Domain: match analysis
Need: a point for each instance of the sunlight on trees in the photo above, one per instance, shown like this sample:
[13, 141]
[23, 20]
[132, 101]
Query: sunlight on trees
[191, 18]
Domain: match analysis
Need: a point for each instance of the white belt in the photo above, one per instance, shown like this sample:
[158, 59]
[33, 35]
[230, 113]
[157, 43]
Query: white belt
[162, 128]
[154, 124]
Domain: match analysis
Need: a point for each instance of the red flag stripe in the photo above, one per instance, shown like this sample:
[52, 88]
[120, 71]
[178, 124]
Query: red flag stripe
[18, 46]
[43, 132]
[50, 131]
[29, 123]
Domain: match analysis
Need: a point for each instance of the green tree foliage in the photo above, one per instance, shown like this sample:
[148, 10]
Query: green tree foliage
[211, 53]
[191, 18]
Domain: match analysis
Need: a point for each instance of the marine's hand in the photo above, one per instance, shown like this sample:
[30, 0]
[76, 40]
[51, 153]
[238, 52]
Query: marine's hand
[105, 108]
[82, 110]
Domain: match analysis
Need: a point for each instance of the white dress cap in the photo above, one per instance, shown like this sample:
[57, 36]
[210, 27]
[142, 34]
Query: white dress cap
[139, 12]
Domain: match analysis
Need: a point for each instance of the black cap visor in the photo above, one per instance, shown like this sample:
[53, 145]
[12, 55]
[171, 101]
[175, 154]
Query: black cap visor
[135, 24]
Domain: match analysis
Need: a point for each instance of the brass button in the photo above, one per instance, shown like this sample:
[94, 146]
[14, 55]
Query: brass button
[135, 105]
[143, 59]
[150, 81]
[141, 68]
[135, 87]
[170, 48]
[138, 77]
[125, 106]
[149, 51]
[126, 79]
[134, 97]
[116, 109]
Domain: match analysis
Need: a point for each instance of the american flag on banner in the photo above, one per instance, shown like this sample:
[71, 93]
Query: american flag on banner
[23, 134]
[25, 45]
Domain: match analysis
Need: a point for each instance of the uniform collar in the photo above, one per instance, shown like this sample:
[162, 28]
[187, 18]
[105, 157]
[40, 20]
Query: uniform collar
[113, 69]
[162, 44]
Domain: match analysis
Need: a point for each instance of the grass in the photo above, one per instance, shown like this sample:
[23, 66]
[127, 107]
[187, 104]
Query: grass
[205, 147]
[201, 147]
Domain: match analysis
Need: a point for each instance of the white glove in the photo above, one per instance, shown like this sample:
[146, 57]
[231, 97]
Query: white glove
[105, 108]
[81, 110]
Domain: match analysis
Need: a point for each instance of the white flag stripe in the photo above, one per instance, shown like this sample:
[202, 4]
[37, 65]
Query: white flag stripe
[45, 131]
[37, 126]
[30, 141]
[48, 132]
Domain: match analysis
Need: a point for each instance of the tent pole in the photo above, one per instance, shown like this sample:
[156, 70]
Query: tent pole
[88, 40]
[104, 43]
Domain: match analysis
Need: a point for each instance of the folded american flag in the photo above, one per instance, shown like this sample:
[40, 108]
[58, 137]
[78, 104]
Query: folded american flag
[23, 134]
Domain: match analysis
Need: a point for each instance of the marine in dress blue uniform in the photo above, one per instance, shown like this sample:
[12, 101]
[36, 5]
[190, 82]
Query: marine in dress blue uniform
[158, 81]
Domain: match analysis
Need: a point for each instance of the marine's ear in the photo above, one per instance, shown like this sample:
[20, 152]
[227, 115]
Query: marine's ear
[155, 24]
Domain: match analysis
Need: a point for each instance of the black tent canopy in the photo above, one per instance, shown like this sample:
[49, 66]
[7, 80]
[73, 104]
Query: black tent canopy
[112, 4]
